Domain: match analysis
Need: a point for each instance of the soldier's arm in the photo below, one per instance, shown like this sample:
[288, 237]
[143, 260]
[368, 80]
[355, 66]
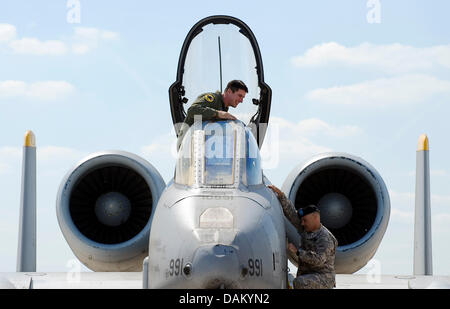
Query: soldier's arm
[290, 212]
[288, 208]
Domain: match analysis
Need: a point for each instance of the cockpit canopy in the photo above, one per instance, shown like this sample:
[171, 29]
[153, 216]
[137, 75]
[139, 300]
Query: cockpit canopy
[217, 55]
[218, 154]
[216, 50]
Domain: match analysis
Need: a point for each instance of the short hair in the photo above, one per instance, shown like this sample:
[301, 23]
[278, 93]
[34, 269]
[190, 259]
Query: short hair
[235, 85]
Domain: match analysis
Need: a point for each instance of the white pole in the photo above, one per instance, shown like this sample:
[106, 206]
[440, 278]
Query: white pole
[26, 251]
[423, 264]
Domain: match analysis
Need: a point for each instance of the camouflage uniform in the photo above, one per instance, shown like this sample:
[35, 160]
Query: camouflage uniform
[316, 254]
[206, 105]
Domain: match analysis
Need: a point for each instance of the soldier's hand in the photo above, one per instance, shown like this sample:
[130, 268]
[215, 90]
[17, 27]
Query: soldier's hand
[225, 115]
[276, 190]
[292, 248]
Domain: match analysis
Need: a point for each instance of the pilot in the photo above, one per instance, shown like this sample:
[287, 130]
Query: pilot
[214, 106]
[317, 248]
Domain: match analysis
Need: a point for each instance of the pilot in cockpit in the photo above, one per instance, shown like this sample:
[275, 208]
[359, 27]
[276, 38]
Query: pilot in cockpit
[214, 106]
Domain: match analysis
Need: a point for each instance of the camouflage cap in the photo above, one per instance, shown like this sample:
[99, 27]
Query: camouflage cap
[307, 210]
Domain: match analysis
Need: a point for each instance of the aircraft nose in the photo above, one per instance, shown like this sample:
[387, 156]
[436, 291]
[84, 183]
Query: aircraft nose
[216, 266]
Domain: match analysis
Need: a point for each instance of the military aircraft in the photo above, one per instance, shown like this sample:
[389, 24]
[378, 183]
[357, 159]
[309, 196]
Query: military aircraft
[215, 224]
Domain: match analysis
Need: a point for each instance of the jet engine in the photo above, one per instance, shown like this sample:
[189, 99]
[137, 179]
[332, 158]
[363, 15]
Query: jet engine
[105, 206]
[353, 202]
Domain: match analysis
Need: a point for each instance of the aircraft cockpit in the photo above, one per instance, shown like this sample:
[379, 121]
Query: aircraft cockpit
[222, 154]
[216, 50]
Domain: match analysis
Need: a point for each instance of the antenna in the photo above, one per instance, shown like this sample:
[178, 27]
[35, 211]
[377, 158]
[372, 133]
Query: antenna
[220, 63]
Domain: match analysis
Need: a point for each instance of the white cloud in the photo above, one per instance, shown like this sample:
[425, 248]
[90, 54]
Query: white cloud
[33, 46]
[50, 90]
[82, 41]
[401, 216]
[9, 159]
[408, 89]
[12, 88]
[163, 146]
[3, 168]
[434, 173]
[48, 158]
[80, 49]
[438, 173]
[86, 39]
[52, 154]
[403, 207]
[442, 219]
[392, 58]
[94, 34]
[9, 152]
[401, 197]
[442, 201]
[314, 127]
[439, 221]
[298, 148]
[7, 32]
[43, 90]
[286, 140]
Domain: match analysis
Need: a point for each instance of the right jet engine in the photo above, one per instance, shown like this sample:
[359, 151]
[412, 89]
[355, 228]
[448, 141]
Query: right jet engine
[353, 201]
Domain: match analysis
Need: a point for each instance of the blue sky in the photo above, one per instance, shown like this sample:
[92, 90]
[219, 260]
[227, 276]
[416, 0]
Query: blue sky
[339, 83]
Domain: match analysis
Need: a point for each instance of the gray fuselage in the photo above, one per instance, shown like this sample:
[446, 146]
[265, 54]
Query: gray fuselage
[216, 224]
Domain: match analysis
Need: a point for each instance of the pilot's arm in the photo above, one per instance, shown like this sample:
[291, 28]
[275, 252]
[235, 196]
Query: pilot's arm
[209, 107]
[199, 108]
[207, 112]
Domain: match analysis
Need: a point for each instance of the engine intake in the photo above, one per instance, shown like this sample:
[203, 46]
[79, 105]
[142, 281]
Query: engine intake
[104, 208]
[353, 202]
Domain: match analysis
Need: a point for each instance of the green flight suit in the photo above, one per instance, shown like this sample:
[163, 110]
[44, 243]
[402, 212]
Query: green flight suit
[206, 105]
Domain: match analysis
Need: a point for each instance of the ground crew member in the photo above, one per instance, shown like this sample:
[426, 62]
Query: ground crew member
[214, 106]
[317, 249]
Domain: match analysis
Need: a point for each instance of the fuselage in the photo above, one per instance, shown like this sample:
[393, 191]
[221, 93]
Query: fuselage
[215, 231]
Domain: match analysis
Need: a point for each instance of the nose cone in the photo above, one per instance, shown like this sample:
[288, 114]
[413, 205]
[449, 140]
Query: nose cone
[216, 266]
[112, 209]
[335, 210]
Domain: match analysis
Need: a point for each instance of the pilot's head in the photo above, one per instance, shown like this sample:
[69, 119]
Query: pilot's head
[309, 217]
[234, 93]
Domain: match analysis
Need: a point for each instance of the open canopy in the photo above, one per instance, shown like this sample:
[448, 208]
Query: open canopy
[216, 50]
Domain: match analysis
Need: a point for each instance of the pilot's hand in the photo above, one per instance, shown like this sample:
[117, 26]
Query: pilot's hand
[276, 190]
[225, 115]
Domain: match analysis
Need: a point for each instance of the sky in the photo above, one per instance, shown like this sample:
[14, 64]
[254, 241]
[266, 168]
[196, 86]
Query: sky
[363, 77]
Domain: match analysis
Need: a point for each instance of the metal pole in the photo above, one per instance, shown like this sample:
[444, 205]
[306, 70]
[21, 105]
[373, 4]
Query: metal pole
[26, 251]
[423, 264]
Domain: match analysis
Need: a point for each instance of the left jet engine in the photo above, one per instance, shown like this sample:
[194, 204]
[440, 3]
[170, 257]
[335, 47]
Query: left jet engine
[105, 206]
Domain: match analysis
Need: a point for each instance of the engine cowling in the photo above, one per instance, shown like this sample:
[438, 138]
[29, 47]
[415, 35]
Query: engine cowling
[105, 205]
[353, 201]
